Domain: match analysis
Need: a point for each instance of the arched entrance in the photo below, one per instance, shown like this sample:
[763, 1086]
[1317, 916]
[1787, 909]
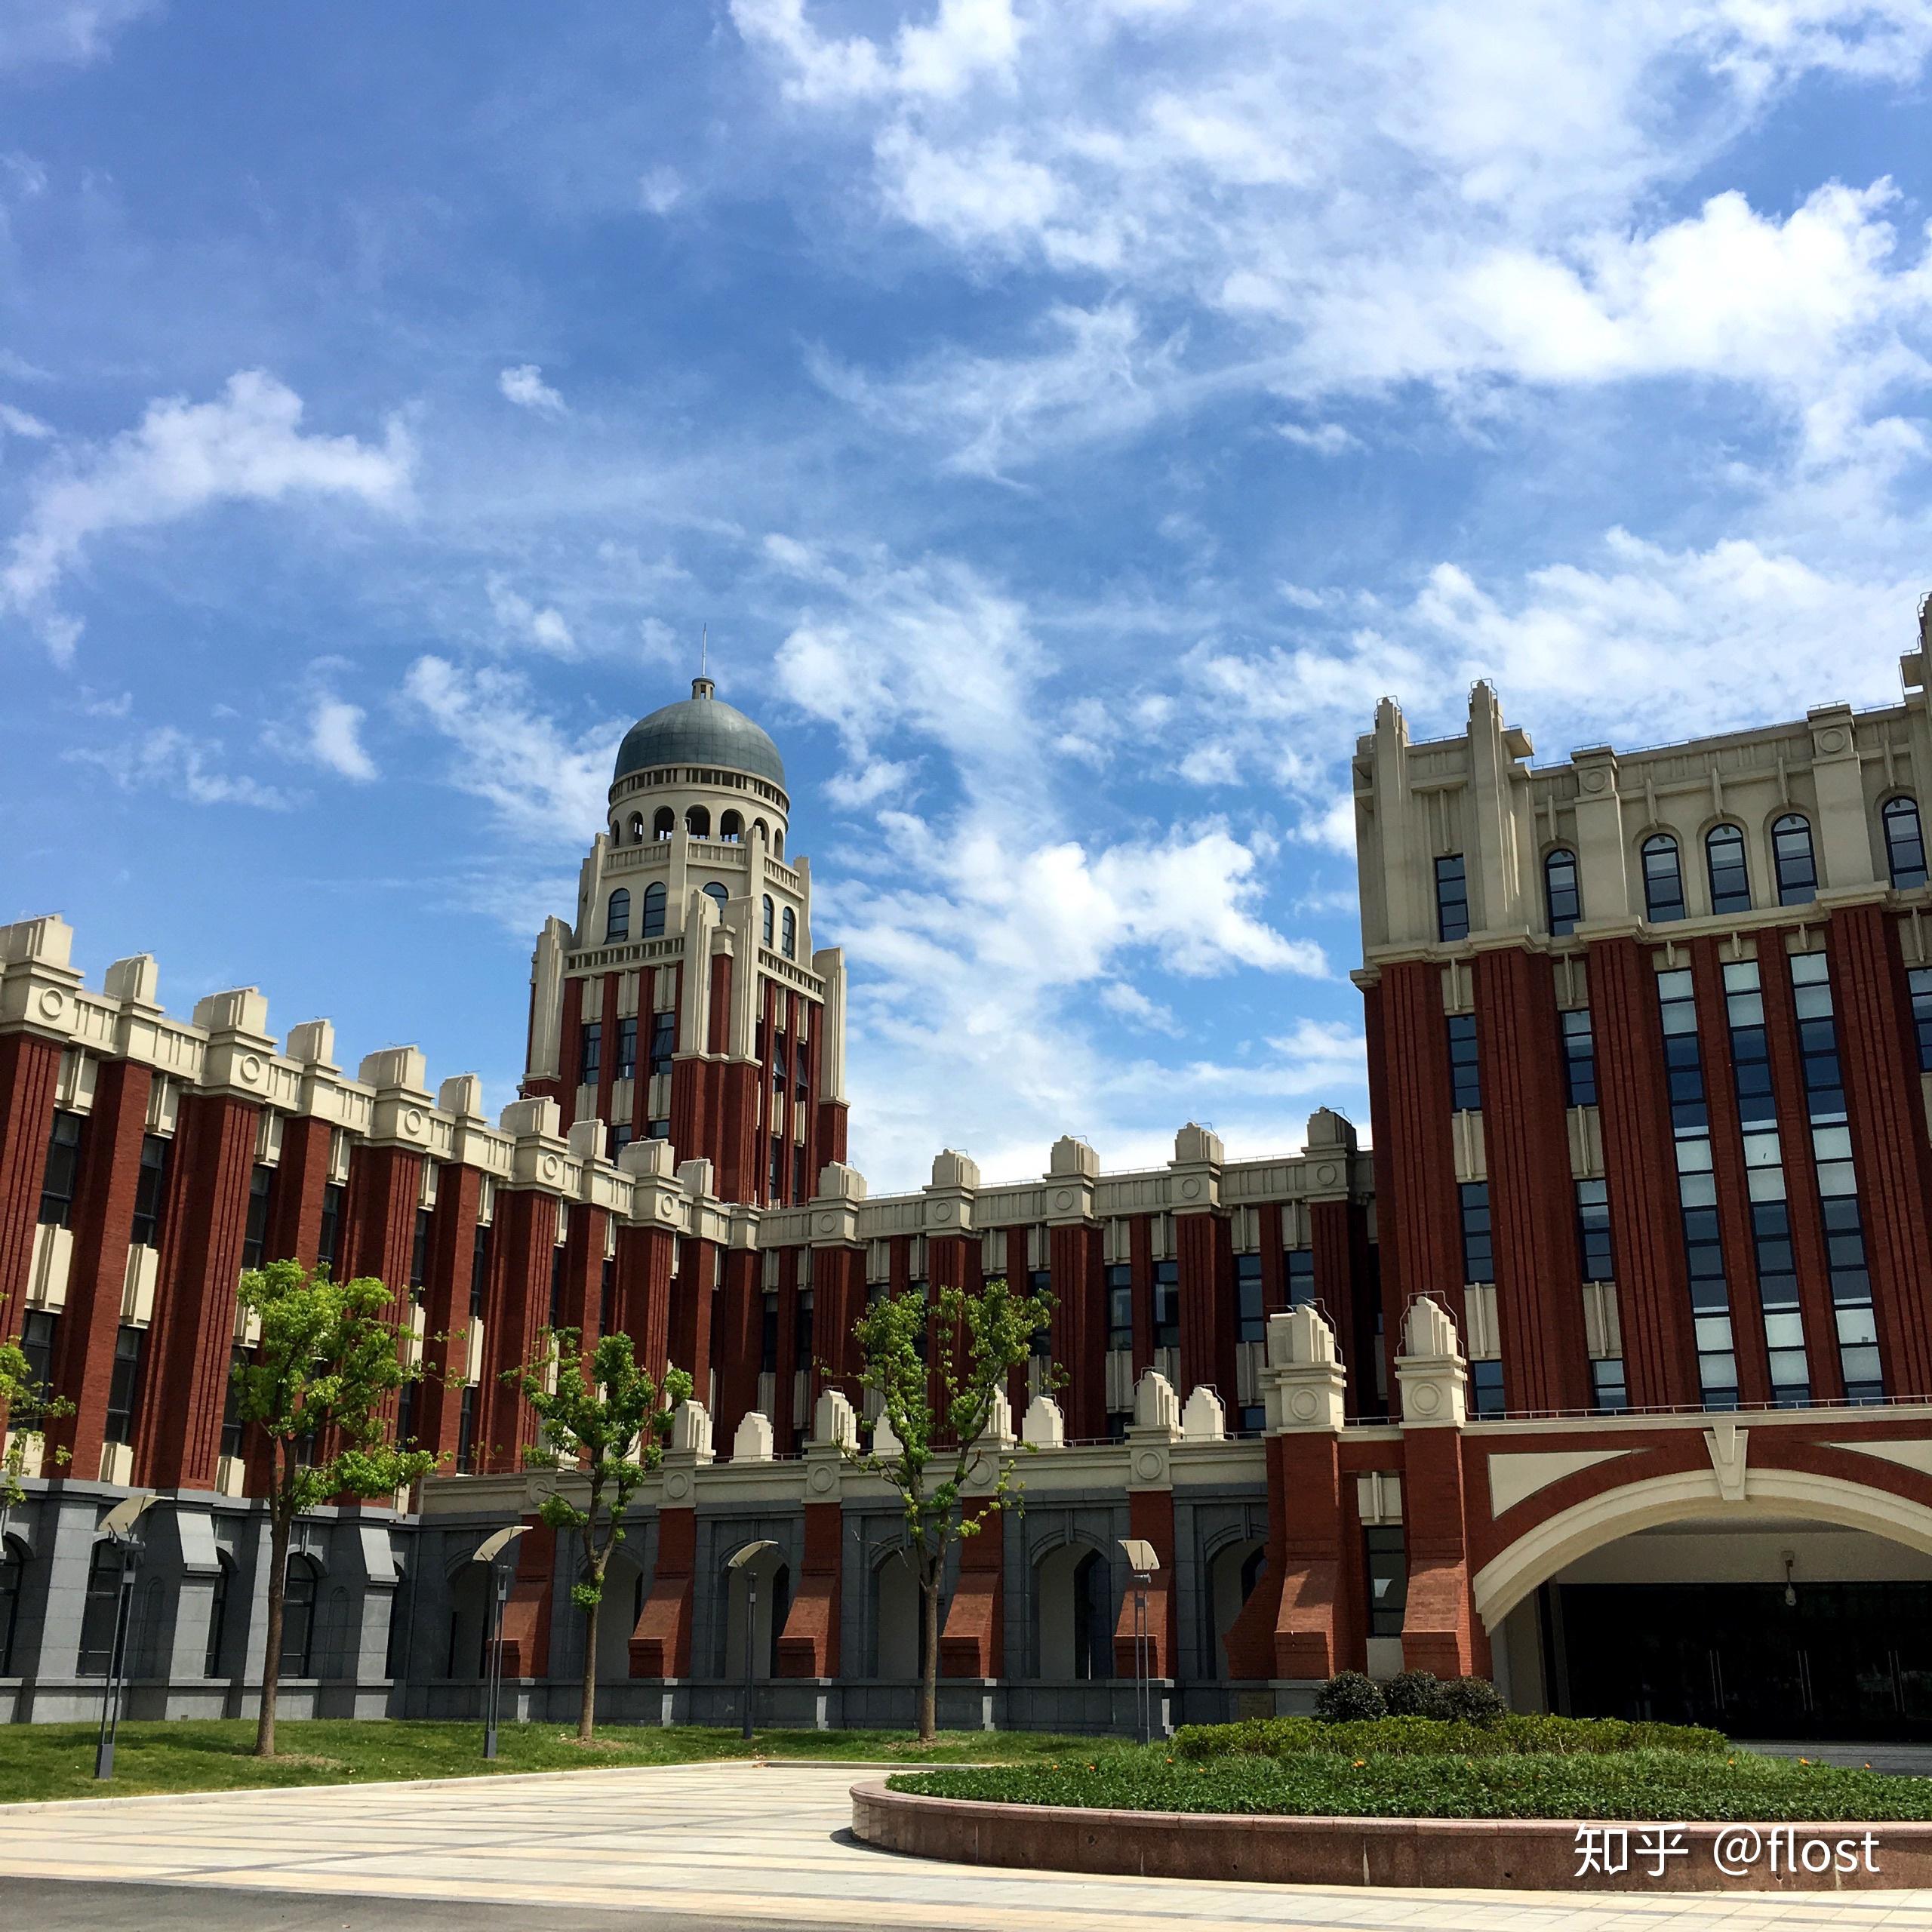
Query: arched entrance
[1075, 1630]
[1801, 1611]
[774, 1599]
[1232, 1573]
[899, 1629]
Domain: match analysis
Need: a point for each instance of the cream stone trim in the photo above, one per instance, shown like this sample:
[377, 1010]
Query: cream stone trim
[1521, 1473]
[1908, 1455]
[1552, 1547]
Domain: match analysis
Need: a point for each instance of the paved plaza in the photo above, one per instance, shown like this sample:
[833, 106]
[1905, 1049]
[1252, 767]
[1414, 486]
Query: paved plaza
[704, 1844]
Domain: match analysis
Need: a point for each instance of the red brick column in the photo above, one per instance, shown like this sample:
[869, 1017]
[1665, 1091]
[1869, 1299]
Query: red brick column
[526, 1628]
[644, 1258]
[200, 1268]
[1074, 1254]
[973, 1641]
[1441, 1631]
[439, 1412]
[1740, 1246]
[525, 1231]
[1538, 1279]
[1887, 1137]
[1305, 1619]
[831, 1133]
[28, 1070]
[295, 1208]
[385, 1189]
[839, 1291]
[1344, 1284]
[1140, 1260]
[579, 1305]
[1420, 1214]
[1150, 1517]
[808, 1645]
[1204, 1249]
[784, 1422]
[692, 1292]
[1646, 1224]
[607, 1063]
[103, 1215]
[661, 1644]
[569, 1056]
[736, 1350]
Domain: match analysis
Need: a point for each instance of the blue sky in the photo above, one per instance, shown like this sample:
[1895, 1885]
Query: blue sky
[1068, 419]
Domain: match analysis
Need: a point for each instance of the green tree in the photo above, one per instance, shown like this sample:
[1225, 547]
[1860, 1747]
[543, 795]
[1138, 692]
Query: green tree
[26, 1407]
[606, 1419]
[325, 1367]
[937, 1413]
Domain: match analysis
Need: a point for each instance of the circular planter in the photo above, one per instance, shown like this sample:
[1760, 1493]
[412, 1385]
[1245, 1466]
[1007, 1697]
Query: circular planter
[1510, 1854]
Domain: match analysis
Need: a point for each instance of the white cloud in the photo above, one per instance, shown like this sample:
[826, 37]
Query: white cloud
[18, 422]
[525, 386]
[335, 739]
[525, 622]
[1323, 438]
[246, 446]
[540, 781]
[166, 759]
[68, 33]
[965, 42]
[660, 190]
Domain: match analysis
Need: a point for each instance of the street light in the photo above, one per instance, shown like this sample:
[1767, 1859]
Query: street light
[743, 1559]
[1143, 1561]
[118, 1526]
[487, 1552]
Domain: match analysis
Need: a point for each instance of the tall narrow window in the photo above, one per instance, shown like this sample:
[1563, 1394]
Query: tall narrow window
[1797, 867]
[1465, 1080]
[788, 934]
[618, 919]
[255, 1238]
[664, 823]
[224, 1567]
[1167, 1305]
[479, 1272]
[626, 1066]
[466, 1433]
[62, 1174]
[1388, 1567]
[1251, 1318]
[717, 895]
[123, 1387]
[1579, 1057]
[100, 1612]
[1120, 1308]
[590, 1053]
[1593, 1230]
[1478, 1249]
[767, 1341]
[697, 822]
[37, 1334]
[1563, 897]
[663, 1041]
[1452, 898]
[1730, 875]
[1298, 1269]
[637, 828]
[1920, 979]
[771, 919]
[233, 1430]
[419, 1249]
[150, 1190]
[1663, 879]
[654, 911]
[330, 1239]
[298, 1616]
[1905, 843]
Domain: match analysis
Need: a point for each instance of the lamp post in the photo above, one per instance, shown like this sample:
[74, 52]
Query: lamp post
[743, 1560]
[498, 1578]
[118, 1526]
[1143, 1561]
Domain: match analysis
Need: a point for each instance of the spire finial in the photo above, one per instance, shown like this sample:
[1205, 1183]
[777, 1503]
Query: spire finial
[701, 685]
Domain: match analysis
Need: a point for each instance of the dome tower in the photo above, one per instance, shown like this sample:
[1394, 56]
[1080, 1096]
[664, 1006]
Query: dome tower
[685, 1003]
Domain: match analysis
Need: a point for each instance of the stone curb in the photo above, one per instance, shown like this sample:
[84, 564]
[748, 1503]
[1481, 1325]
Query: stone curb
[1527, 1854]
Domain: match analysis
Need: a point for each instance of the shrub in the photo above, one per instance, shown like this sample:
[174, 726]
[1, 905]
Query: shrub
[1472, 1700]
[1510, 1736]
[1414, 1693]
[1349, 1697]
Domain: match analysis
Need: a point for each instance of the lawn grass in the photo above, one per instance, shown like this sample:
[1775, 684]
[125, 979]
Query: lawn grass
[1679, 1786]
[49, 1761]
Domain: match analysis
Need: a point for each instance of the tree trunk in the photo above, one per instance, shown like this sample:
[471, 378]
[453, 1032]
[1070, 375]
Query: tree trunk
[929, 1585]
[586, 1708]
[281, 1522]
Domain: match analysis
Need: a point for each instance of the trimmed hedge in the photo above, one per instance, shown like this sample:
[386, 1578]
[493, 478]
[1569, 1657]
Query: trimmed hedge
[1682, 1787]
[1513, 1736]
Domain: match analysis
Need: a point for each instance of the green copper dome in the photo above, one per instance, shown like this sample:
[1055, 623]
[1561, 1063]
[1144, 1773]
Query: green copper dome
[702, 729]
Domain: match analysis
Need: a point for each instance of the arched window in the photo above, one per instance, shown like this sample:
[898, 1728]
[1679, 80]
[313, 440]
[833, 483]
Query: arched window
[1905, 843]
[100, 1611]
[298, 1617]
[778, 843]
[654, 911]
[697, 822]
[1561, 894]
[731, 826]
[12, 1586]
[637, 828]
[770, 917]
[788, 929]
[715, 891]
[617, 920]
[1663, 879]
[1797, 867]
[1730, 875]
[664, 823]
[760, 829]
[217, 1614]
